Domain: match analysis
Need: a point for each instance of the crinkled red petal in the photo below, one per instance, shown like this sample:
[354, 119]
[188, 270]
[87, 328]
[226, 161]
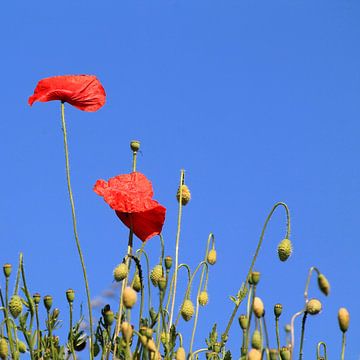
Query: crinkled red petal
[145, 224]
[85, 92]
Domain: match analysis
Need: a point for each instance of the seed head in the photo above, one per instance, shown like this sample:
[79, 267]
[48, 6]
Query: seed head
[277, 310]
[168, 262]
[48, 300]
[129, 297]
[135, 145]
[156, 274]
[254, 354]
[203, 298]
[273, 354]
[258, 307]
[136, 283]
[187, 310]
[285, 353]
[36, 298]
[256, 341]
[254, 278]
[7, 270]
[211, 257]
[313, 306]
[284, 249]
[21, 346]
[70, 295]
[180, 354]
[324, 284]
[185, 195]
[243, 321]
[120, 272]
[15, 306]
[344, 319]
[4, 350]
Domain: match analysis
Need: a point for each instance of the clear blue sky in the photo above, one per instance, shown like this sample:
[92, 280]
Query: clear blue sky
[257, 100]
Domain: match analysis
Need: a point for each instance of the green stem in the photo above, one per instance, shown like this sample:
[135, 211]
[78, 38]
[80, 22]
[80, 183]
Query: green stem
[71, 331]
[67, 163]
[177, 249]
[343, 344]
[8, 328]
[249, 307]
[187, 288]
[38, 327]
[288, 227]
[277, 333]
[318, 356]
[266, 336]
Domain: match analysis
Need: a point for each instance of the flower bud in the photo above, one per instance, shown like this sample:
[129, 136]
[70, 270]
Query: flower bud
[149, 333]
[36, 298]
[108, 317]
[258, 307]
[324, 284]
[129, 297]
[48, 300]
[277, 310]
[4, 350]
[211, 257]
[162, 283]
[344, 319]
[284, 249]
[256, 341]
[180, 354]
[126, 331]
[21, 346]
[187, 310]
[273, 354]
[313, 306]
[254, 354]
[7, 270]
[243, 321]
[153, 315]
[120, 272]
[164, 337]
[55, 313]
[70, 295]
[185, 194]
[285, 353]
[136, 283]
[156, 274]
[135, 145]
[203, 298]
[254, 278]
[287, 328]
[15, 306]
[168, 262]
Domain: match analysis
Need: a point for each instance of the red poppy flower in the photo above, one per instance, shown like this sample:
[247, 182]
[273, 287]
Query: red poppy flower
[130, 195]
[85, 92]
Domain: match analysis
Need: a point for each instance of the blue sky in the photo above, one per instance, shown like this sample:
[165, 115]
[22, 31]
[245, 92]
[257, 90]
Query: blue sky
[257, 101]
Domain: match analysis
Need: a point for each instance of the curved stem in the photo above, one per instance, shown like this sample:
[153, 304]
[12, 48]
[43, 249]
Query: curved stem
[302, 335]
[177, 249]
[197, 352]
[186, 293]
[288, 228]
[321, 343]
[292, 330]
[306, 291]
[67, 164]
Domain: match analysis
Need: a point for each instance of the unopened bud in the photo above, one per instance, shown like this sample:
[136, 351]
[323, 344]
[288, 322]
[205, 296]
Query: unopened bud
[162, 283]
[324, 284]
[185, 194]
[156, 274]
[211, 257]
[168, 262]
[187, 310]
[243, 321]
[284, 249]
[313, 306]
[136, 283]
[254, 354]
[285, 353]
[254, 278]
[36, 298]
[15, 306]
[180, 354]
[344, 319]
[120, 272]
[109, 317]
[203, 298]
[258, 307]
[273, 354]
[4, 350]
[256, 341]
[126, 331]
[129, 297]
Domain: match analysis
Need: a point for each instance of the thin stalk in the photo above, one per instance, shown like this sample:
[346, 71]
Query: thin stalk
[249, 307]
[177, 249]
[306, 291]
[71, 331]
[292, 330]
[266, 337]
[8, 328]
[302, 335]
[38, 327]
[288, 227]
[277, 333]
[343, 344]
[321, 343]
[73, 214]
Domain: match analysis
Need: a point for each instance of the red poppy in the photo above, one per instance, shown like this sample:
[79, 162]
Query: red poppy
[130, 195]
[85, 92]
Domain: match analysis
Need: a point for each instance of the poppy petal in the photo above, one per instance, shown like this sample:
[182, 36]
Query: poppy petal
[145, 224]
[85, 92]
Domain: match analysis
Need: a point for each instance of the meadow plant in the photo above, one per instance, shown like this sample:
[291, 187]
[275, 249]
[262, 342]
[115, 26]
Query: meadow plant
[146, 323]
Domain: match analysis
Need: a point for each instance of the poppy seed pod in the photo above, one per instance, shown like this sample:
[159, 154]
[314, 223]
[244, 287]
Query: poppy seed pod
[36, 298]
[344, 319]
[254, 354]
[284, 249]
[277, 310]
[185, 194]
[258, 307]
[256, 341]
[324, 284]
[254, 278]
[168, 262]
[126, 331]
[135, 145]
[136, 283]
[187, 310]
[70, 295]
[15, 306]
[180, 354]
[129, 297]
[285, 353]
[4, 350]
[7, 270]
[313, 306]
[273, 354]
[203, 298]
[120, 272]
[211, 257]
[48, 300]
[156, 274]
[243, 321]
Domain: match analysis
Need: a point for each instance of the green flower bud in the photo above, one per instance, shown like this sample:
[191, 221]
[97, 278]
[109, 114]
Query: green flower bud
[344, 319]
[324, 284]
[36, 298]
[136, 283]
[156, 274]
[168, 262]
[120, 272]
[187, 310]
[211, 257]
[254, 278]
[4, 350]
[162, 283]
[273, 354]
[284, 249]
[108, 317]
[285, 353]
[185, 195]
[203, 298]
[15, 306]
[21, 346]
[313, 306]
[256, 341]
[243, 321]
